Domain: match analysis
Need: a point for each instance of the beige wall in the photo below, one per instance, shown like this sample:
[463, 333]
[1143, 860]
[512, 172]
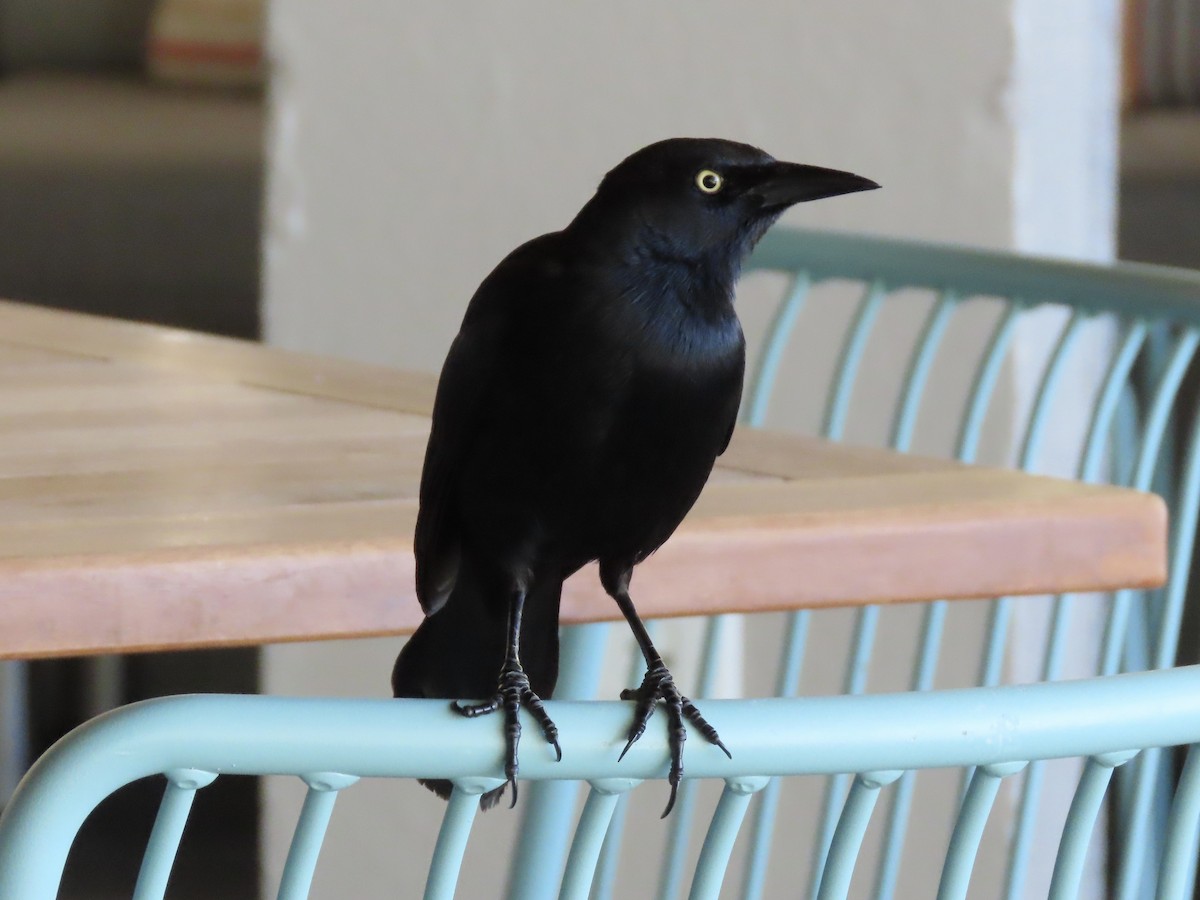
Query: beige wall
[412, 147]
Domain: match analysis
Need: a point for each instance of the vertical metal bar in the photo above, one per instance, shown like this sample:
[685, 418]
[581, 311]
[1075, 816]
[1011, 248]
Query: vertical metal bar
[722, 832]
[1115, 631]
[453, 835]
[1135, 821]
[919, 365]
[310, 833]
[1081, 820]
[589, 836]
[847, 839]
[993, 655]
[1159, 412]
[763, 825]
[842, 386]
[762, 383]
[610, 852]
[14, 724]
[159, 856]
[903, 427]
[681, 827]
[968, 828]
[1153, 432]
[897, 826]
[985, 382]
[1022, 842]
[835, 791]
[1177, 878]
[1088, 470]
[1001, 613]
[1182, 544]
[967, 448]
[541, 852]
[1048, 387]
[1106, 402]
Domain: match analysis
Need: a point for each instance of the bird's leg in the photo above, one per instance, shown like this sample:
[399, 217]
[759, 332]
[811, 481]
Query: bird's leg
[659, 685]
[513, 692]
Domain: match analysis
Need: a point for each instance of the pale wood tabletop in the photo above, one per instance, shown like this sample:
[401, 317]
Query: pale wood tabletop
[161, 489]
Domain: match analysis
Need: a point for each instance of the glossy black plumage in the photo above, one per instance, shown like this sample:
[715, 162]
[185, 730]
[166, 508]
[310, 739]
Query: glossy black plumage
[595, 380]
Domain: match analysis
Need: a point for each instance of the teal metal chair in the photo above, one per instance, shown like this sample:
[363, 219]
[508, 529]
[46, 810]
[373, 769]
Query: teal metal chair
[1135, 328]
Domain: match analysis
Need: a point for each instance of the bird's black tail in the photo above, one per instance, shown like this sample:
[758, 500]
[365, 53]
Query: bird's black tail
[457, 653]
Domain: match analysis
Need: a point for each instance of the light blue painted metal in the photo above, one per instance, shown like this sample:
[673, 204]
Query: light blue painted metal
[968, 827]
[159, 857]
[763, 825]
[905, 420]
[1081, 821]
[1183, 538]
[1159, 413]
[680, 828]
[302, 856]
[722, 832]
[453, 836]
[851, 826]
[1002, 608]
[762, 382]
[1051, 378]
[857, 670]
[897, 824]
[999, 620]
[1177, 879]
[589, 836]
[1129, 289]
[610, 852]
[966, 450]
[1088, 469]
[424, 738]
[841, 387]
[903, 425]
[1105, 407]
[541, 852]
[967, 446]
[1183, 542]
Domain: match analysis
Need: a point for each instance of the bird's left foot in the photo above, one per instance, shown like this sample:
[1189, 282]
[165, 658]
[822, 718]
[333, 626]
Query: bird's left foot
[512, 693]
[659, 685]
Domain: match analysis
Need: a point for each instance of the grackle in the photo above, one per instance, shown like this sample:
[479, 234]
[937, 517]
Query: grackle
[594, 381]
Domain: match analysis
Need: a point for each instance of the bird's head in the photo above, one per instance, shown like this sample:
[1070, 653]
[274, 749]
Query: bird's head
[703, 199]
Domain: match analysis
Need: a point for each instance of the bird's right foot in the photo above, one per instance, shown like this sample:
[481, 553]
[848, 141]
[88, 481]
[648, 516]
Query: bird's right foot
[659, 685]
[512, 693]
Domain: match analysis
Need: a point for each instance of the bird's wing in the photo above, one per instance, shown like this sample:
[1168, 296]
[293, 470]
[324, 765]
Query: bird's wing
[461, 396]
[728, 434]
[464, 393]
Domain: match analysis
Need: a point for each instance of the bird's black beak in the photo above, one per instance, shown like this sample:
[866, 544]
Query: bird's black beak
[781, 184]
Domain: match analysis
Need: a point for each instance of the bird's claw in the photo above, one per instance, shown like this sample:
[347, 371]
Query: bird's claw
[512, 693]
[659, 685]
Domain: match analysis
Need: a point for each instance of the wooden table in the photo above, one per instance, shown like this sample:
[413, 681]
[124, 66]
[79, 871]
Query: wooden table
[161, 489]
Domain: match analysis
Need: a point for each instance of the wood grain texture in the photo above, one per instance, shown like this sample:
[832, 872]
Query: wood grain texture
[160, 489]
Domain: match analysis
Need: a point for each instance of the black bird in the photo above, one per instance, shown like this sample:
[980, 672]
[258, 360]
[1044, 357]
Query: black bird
[594, 382]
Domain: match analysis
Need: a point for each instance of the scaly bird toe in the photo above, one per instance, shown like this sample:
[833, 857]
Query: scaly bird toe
[512, 693]
[659, 685]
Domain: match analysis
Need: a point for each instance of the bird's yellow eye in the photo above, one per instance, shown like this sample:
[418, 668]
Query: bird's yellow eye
[709, 181]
